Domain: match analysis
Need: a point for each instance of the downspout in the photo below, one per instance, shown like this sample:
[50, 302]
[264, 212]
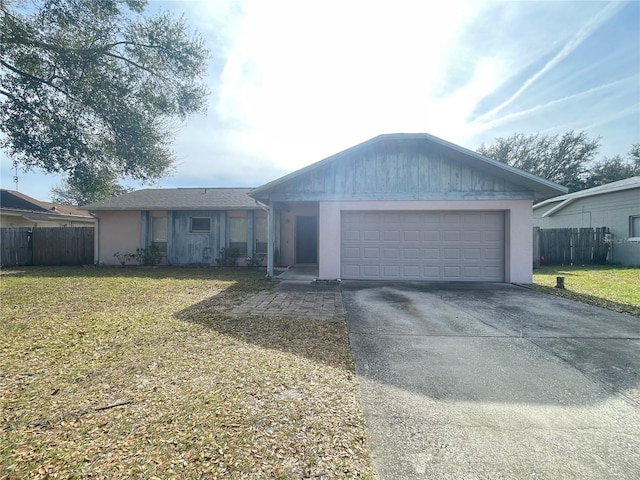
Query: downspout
[271, 235]
[96, 239]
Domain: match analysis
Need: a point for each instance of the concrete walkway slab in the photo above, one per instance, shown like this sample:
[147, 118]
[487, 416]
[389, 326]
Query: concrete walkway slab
[297, 295]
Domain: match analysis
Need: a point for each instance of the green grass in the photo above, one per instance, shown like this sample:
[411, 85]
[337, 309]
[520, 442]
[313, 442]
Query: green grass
[615, 288]
[143, 373]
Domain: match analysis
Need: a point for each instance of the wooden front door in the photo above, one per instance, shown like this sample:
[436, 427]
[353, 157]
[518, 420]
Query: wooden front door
[307, 239]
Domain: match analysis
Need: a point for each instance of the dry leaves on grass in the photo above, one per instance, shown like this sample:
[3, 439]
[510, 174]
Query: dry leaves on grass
[193, 392]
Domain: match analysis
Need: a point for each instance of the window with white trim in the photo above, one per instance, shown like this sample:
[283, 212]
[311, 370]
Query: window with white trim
[634, 226]
[260, 232]
[238, 231]
[200, 225]
[159, 233]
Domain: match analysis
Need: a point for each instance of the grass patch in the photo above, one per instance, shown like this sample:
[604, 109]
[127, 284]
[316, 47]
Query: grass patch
[615, 288]
[110, 372]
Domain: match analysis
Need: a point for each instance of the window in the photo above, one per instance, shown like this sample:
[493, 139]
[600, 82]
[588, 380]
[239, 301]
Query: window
[260, 232]
[159, 233]
[238, 231]
[634, 227]
[200, 225]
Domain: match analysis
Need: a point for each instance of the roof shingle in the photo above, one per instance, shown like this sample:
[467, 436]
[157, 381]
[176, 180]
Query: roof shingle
[179, 199]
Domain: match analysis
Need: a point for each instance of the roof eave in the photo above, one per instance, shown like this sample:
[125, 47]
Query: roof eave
[585, 194]
[173, 209]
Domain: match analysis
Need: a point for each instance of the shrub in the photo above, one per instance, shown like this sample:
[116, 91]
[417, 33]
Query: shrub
[148, 256]
[227, 257]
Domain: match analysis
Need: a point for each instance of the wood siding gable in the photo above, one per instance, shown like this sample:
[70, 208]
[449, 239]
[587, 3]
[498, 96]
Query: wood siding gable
[399, 173]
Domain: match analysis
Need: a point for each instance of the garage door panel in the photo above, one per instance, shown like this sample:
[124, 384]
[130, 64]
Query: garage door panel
[411, 253]
[391, 236]
[451, 273]
[452, 218]
[471, 219]
[369, 253]
[431, 254]
[423, 245]
[473, 236]
[451, 235]
[411, 236]
[493, 273]
[371, 236]
[472, 254]
[473, 272]
[431, 273]
[349, 253]
[431, 235]
[390, 253]
[391, 271]
[451, 254]
[371, 271]
[492, 236]
[350, 270]
[351, 235]
[493, 254]
[411, 271]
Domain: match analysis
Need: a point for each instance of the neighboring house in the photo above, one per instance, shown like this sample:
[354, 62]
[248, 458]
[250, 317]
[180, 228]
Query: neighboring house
[20, 210]
[406, 207]
[188, 225]
[614, 205]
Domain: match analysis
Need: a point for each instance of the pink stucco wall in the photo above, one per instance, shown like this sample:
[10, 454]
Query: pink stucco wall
[518, 230]
[117, 232]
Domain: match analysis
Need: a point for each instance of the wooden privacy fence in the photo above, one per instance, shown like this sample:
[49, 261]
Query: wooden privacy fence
[46, 246]
[570, 246]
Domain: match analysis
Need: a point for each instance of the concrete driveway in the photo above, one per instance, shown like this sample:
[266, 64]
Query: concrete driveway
[476, 381]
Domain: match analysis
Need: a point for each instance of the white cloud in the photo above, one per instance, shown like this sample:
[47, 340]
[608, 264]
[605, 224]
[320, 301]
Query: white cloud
[585, 31]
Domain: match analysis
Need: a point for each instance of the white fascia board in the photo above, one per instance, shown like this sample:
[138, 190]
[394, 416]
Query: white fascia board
[558, 207]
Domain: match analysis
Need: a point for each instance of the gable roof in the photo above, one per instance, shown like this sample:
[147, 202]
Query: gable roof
[19, 202]
[179, 199]
[563, 201]
[540, 187]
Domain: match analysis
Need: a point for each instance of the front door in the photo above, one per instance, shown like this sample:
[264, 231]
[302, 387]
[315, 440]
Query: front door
[307, 239]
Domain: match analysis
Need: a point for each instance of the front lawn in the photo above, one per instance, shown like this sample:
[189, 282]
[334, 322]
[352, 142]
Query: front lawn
[142, 373]
[615, 288]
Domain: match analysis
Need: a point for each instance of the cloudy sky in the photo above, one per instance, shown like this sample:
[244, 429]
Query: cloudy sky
[293, 82]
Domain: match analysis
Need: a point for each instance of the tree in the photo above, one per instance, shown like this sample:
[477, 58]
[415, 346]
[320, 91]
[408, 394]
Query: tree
[78, 193]
[94, 90]
[614, 169]
[561, 160]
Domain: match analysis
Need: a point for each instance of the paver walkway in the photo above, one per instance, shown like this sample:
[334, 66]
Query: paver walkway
[295, 299]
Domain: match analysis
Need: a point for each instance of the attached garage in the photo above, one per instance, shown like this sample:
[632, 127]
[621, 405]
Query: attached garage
[408, 207]
[449, 246]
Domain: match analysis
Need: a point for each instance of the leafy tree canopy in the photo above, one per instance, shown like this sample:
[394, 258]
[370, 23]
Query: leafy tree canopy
[568, 160]
[560, 159]
[613, 169]
[94, 90]
[82, 192]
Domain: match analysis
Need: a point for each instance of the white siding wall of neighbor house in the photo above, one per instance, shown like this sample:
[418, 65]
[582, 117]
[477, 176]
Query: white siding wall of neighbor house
[612, 210]
[118, 231]
[517, 230]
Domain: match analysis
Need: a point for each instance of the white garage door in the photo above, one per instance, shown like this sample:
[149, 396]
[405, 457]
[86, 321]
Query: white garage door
[448, 246]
